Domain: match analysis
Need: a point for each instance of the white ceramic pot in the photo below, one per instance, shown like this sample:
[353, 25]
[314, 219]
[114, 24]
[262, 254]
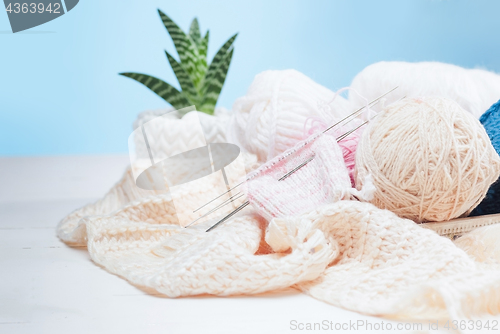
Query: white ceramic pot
[173, 133]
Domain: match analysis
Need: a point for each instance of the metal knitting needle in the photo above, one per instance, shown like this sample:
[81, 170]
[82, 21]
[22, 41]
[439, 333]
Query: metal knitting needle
[244, 205]
[236, 186]
[232, 199]
[296, 168]
[229, 200]
[280, 179]
[371, 104]
[229, 216]
[341, 137]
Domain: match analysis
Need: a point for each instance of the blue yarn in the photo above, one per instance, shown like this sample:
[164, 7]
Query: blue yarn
[491, 122]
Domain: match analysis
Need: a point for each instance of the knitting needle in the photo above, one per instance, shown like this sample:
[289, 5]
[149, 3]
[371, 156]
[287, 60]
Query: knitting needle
[366, 122]
[241, 207]
[236, 186]
[232, 199]
[371, 104]
[341, 137]
[229, 216]
[296, 168]
[229, 200]
[280, 179]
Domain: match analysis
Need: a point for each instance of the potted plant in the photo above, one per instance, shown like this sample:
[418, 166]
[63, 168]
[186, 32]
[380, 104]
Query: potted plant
[200, 83]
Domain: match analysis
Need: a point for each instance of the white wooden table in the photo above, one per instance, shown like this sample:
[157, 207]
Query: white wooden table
[48, 287]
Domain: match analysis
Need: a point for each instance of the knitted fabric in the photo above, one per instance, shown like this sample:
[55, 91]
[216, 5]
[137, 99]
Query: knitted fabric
[125, 192]
[491, 122]
[349, 254]
[322, 180]
[348, 145]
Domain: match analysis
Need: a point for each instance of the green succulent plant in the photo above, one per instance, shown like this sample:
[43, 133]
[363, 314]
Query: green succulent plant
[200, 83]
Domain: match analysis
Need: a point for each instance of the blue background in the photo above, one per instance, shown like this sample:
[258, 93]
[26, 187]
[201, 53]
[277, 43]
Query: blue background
[60, 92]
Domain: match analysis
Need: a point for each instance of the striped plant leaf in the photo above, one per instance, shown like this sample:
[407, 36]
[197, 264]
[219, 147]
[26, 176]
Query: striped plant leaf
[195, 65]
[161, 88]
[194, 31]
[186, 48]
[214, 87]
[201, 63]
[178, 36]
[218, 58]
[185, 82]
[203, 46]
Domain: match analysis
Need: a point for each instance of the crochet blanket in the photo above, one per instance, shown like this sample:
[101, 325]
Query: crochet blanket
[349, 254]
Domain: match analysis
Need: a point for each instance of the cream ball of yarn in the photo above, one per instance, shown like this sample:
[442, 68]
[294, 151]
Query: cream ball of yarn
[429, 159]
[271, 117]
[475, 90]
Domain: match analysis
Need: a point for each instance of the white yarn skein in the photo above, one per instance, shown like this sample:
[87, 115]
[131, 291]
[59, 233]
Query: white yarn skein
[270, 118]
[475, 90]
[430, 160]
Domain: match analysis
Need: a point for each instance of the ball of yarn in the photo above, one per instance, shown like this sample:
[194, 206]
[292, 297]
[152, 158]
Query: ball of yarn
[491, 122]
[429, 159]
[473, 89]
[270, 118]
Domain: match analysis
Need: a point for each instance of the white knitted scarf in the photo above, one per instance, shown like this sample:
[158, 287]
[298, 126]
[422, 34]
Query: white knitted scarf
[349, 254]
